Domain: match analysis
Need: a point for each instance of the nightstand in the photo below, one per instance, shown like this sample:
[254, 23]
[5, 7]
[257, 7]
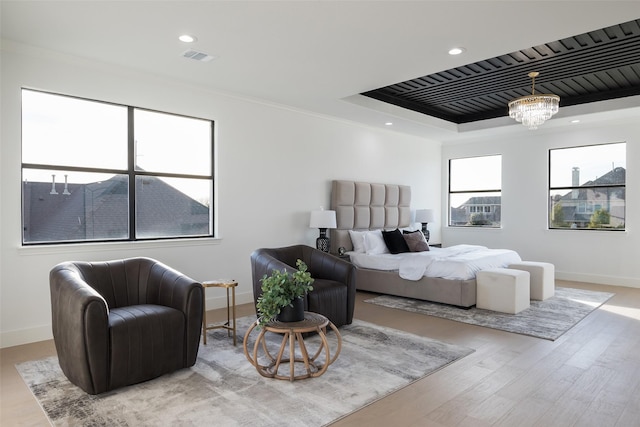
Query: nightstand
[344, 257]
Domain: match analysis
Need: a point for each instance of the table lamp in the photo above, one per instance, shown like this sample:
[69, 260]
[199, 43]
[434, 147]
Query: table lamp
[322, 220]
[424, 216]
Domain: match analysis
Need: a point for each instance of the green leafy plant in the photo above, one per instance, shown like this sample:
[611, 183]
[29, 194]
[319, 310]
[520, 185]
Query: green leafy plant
[558, 216]
[280, 289]
[600, 218]
[479, 219]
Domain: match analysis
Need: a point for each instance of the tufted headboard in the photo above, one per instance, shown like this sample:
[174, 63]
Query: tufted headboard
[367, 206]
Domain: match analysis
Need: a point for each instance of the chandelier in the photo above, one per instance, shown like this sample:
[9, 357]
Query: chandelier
[533, 110]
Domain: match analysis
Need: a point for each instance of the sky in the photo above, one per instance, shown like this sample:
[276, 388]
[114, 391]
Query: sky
[593, 161]
[93, 134]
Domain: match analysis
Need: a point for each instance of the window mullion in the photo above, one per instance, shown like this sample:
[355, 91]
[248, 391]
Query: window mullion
[131, 165]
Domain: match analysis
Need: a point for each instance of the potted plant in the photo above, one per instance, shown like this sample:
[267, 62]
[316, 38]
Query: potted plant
[281, 290]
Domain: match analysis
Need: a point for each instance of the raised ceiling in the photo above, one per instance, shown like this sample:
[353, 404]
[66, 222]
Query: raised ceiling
[594, 66]
[314, 56]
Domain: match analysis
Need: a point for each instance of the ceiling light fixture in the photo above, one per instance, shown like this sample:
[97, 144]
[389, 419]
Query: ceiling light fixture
[186, 38]
[456, 51]
[388, 124]
[533, 110]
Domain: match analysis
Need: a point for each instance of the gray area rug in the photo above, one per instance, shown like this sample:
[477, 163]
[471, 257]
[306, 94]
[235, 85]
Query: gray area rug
[224, 389]
[547, 319]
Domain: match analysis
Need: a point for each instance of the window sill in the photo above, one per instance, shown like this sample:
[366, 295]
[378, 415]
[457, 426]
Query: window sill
[116, 246]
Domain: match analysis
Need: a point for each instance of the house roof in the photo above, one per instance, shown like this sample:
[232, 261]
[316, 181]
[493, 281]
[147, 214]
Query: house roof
[99, 211]
[483, 200]
[617, 175]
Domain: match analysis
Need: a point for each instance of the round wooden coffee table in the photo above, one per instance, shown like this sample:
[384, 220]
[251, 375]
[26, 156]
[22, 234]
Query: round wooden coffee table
[292, 333]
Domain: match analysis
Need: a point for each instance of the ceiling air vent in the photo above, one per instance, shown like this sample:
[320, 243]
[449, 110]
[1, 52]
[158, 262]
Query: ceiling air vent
[197, 56]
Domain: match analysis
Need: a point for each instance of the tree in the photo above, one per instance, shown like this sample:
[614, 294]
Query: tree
[479, 219]
[599, 218]
[558, 216]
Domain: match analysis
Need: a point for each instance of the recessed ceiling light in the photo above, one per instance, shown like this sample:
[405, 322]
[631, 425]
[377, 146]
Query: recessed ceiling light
[456, 51]
[187, 38]
[575, 121]
[388, 124]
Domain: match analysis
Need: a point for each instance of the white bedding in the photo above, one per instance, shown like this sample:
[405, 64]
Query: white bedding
[459, 262]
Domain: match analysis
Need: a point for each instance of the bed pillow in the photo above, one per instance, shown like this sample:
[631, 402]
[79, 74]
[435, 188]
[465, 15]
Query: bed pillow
[395, 241]
[357, 240]
[374, 243]
[415, 241]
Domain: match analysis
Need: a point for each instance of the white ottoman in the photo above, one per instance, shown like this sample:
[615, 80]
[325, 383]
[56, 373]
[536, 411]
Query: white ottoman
[542, 278]
[502, 289]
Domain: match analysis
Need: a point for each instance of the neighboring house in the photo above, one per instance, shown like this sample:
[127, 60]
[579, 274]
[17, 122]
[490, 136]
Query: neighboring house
[577, 206]
[99, 211]
[478, 211]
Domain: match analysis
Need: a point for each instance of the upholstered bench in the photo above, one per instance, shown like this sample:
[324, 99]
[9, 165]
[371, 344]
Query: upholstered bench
[502, 289]
[542, 278]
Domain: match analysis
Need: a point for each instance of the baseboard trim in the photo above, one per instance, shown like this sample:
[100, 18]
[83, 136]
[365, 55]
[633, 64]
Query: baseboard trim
[25, 336]
[221, 301]
[601, 280]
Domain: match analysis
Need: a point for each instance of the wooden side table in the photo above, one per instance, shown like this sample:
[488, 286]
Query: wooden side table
[231, 308]
[292, 333]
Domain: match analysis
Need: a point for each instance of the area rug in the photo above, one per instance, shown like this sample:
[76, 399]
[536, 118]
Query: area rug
[547, 319]
[224, 389]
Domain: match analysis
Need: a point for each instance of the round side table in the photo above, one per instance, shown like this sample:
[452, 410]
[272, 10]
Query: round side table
[292, 333]
[231, 308]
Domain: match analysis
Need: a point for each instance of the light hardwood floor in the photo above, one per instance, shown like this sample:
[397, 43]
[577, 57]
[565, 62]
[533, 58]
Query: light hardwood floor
[588, 377]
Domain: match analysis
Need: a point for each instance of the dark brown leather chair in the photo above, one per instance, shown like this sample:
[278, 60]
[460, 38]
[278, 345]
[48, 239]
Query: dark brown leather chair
[117, 323]
[334, 286]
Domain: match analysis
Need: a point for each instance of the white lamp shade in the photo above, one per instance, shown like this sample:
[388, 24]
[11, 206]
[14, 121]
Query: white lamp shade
[323, 219]
[424, 215]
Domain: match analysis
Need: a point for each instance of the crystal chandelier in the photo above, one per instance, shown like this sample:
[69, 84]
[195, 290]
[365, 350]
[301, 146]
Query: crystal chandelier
[533, 110]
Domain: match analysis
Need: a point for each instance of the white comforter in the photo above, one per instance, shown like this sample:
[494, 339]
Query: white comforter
[459, 262]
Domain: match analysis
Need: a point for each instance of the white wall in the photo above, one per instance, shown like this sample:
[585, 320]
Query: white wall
[274, 165]
[594, 256]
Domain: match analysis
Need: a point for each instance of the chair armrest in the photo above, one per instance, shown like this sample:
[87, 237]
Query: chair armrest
[80, 326]
[171, 288]
[263, 263]
[183, 293]
[326, 266]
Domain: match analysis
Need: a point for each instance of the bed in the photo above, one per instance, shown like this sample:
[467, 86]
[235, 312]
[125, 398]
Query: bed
[364, 207]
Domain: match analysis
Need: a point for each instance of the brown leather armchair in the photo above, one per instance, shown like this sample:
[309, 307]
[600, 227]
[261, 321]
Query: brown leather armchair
[334, 286]
[117, 323]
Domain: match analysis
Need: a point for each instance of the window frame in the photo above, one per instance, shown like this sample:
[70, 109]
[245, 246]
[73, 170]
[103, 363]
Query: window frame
[479, 208]
[131, 172]
[584, 206]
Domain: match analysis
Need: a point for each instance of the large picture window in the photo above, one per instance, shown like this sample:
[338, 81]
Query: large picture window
[587, 187]
[475, 186]
[94, 171]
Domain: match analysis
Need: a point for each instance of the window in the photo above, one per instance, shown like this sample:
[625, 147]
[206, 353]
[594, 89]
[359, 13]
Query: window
[587, 187]
[93, 171]
[475, 186]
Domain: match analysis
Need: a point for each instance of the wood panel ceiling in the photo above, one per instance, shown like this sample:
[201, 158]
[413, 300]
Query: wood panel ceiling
[595, 66]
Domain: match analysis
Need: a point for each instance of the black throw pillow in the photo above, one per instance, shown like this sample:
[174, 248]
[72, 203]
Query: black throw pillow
[395, 242]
